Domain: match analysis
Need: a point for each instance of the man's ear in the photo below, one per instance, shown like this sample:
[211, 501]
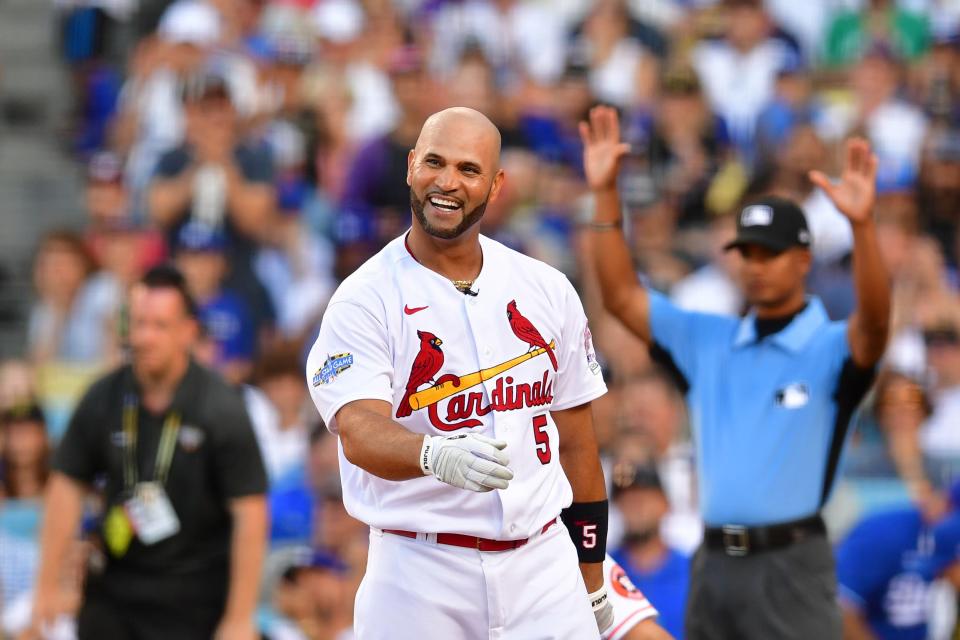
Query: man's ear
[410, 157]
[497, 185]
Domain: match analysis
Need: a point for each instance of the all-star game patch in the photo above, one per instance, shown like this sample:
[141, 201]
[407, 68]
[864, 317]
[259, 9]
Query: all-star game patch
[591, 354]
[332, 367]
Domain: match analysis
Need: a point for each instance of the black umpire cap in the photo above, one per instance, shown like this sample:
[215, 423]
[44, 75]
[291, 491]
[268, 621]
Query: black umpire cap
[775, 223]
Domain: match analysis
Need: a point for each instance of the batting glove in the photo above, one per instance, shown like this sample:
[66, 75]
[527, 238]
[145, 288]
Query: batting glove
[602, 608]
[467, 461]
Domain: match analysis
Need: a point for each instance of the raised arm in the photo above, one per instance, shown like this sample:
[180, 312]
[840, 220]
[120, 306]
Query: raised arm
[854, 196]
[623, 295]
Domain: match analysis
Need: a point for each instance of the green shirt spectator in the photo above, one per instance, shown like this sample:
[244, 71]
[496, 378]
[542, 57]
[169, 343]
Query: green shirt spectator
[851, 33]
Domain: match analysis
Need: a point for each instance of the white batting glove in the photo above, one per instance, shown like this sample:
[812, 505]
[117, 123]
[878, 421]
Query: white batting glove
[602, 608]
[467, 461]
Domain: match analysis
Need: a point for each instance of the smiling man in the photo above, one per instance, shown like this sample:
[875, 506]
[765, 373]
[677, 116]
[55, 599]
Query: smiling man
[771, 396]
[449, 355]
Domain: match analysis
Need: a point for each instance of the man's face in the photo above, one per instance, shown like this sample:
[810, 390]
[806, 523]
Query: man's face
[203, 271]
[452, 174]
[210, 116]
[643, 508]
[161, 330]
[770, 278]
[106, 201]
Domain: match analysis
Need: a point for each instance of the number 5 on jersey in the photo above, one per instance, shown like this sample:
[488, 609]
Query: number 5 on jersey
[542, 438]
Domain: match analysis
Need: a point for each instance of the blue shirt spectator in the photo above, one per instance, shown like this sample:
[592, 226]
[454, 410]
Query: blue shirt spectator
[885, 568]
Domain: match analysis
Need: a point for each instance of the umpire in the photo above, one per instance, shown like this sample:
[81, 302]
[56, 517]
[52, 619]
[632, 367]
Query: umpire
[770, 396]
[183, 485]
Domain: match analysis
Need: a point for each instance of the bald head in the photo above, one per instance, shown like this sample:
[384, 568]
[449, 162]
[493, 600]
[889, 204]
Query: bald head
[454, 171]
[468, 124]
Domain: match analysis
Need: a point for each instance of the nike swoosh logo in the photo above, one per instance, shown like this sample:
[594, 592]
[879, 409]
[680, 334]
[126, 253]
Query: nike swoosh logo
[407, 310]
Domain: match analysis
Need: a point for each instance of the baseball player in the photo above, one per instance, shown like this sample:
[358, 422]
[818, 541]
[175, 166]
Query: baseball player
[634, 618]
[458, 375]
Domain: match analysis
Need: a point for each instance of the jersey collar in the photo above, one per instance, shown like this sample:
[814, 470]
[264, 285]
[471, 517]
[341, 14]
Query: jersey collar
[795, 336]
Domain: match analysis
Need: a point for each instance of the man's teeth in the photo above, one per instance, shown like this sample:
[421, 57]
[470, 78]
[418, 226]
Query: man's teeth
[444, 203]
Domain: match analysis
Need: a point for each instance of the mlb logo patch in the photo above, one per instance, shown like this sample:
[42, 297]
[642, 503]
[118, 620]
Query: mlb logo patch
[190, 438]
[793, 396]
[757, 215]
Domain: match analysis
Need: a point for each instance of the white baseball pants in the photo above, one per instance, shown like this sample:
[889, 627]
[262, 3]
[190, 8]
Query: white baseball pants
[416, 589]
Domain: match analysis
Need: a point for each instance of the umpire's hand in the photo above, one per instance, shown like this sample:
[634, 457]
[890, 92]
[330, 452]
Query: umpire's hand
[467, 461]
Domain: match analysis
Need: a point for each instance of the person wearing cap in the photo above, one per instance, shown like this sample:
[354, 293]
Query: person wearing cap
[886, 566]
[770, 396]
[170, 447]
[654, 567]
[228, 325]
[220, 179]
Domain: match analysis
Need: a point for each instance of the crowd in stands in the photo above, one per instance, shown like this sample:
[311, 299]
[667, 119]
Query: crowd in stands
[261, 146]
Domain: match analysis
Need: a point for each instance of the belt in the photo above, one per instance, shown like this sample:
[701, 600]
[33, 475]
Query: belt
[473, 542]
[738, 540]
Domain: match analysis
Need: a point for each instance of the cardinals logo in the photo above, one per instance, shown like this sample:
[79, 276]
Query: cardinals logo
[425, 366]
[464, 407]
[524, 329]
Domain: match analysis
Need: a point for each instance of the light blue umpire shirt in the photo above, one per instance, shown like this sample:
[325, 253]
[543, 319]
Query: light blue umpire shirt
[769, 417]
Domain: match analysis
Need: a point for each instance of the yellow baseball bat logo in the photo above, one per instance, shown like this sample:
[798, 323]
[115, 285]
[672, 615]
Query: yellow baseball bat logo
[433, 395]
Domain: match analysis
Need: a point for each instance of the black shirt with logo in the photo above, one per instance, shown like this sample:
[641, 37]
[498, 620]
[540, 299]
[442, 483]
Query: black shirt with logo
[216, 459]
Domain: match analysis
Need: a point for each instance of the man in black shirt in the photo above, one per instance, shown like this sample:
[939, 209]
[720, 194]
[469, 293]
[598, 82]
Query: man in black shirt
[183, 484]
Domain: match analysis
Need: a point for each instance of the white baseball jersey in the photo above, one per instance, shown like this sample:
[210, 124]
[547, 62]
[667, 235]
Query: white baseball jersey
[495, 363]
[630, 606]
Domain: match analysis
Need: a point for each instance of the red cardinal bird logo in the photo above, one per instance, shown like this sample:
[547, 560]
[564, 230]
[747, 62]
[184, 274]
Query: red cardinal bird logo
[425, 367]
[524, 329]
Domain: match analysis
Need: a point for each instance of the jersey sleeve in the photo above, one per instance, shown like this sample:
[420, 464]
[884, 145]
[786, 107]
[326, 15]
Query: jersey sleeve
[238, 462]
[630, 606]
[78, 453]
[349, 361]
[579, 379]
[681, 334]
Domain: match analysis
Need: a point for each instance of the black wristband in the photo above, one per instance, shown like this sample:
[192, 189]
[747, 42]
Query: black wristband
[586, 523]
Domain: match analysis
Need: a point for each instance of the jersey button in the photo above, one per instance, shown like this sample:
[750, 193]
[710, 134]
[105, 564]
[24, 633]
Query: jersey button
[487, 351]
[513, 528]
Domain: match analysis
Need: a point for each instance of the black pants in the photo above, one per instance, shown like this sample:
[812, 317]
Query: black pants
[104, 618]
[784, 594]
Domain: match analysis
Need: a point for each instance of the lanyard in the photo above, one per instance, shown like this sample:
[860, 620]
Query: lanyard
[168, 441]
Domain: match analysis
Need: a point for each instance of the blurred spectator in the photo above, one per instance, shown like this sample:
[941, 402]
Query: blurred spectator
[895, 127]
[16, 383]
[71, 319]
[900, 407]
[108, 211]
[687, 142]
[522, 40]
[25, 463]
[738, 72]
[313, 599]
[940, 437]
[372, 189]
[851, 32]
[227, 323]
[150, 116]
[713, 287]
[939, 189]
[184, 542]
[885, 568]
[654, 567]
[279, 374]
[217, 178]
[652, 411]
[622, 71]
[798, 153]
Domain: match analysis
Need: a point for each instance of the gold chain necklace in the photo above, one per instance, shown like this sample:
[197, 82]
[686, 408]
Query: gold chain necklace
[463, 285]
